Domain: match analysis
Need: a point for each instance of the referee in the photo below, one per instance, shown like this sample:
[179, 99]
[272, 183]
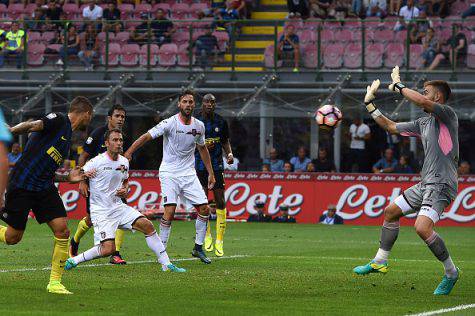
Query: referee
[217, 141]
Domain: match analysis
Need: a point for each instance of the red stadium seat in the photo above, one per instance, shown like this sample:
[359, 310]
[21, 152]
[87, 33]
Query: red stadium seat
[312, 25]
[71, 10]
[401, 37]
[142, 8]
[47, 37]
[383, 36]
[126, 11]
[416, 61]
[297, 24]
[36, 54]
[353, 25]
[394, 55]
[30, 8]
[352, 56]
[129, 55]
[202, 24]
[153, 55]
[308, 37]
[344, 36]
[223, 40]
[374, 56]
[164, 6]
[327, 36]
[180, 11]
[197, 33]
[181, 38]
[121, 38]
[34, 37]
[54, 47]
[471, 56]
[114, 53]
[310, 57]
[333, 56]
[183, 56]
[269, 57]
[15, 10]
[101, 37]
[459, 7]
[3, 11]
[195, 8]
[167, 55]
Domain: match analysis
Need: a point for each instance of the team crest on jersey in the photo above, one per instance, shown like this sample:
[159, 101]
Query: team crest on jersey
[194, 132]
[89, 140]
[216, 129]
[51, 116]
[122, 168]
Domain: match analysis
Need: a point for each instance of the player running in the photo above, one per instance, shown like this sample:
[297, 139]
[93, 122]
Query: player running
[31, 183]
[217, 140]
[182, 134]
[93, 146]
[108, 212]
[438, 188]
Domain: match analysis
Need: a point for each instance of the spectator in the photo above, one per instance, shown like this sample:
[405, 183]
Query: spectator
[319, 8]
[239, 6]
[359, 133]
[139, 34]
[419, 29]
[206, 46]
[110, 17]
[265, 168]
[284, 217]
[457, 45]
[260, 216]
[224, 16]
[35, 23]
[330, 217]
[288, 167]
[14, 155]
[53, 12]
[13, 45]
[233, 167]
[276, 164]
[288, 46]
[92, 12]
[49, 26]
[162, 28]
[394, 7]
[464, 168]
[297, 8]
[403, 165]
[376, 8]
[407, 13]
[431, 47]
[386, 164]
[357, 7]
[310, 167]
[89, 47]
[72, 45]
[300, 161]
[323, 163]
[470, 11]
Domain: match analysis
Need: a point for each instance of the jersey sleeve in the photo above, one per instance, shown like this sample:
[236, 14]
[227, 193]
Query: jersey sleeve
[5, 135]
[200, 139]
[91, 143]
[160, 129]
[443, 112]
[409, 128]
[225, 132]
[90, 165]
[52, 121]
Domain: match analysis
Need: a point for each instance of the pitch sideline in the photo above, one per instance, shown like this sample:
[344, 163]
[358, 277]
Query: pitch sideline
[445, 310]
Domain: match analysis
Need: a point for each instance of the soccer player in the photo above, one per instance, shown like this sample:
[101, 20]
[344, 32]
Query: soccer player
[182, 134]
[5, 138]
[93, 146]
[31, 184]
[217, 140]
[438, 187]
[107, 210]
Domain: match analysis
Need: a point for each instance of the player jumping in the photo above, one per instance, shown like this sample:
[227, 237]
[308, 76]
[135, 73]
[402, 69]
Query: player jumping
[438, 188]
[31, 185]
[93, 146]
[182, 133]
[217, 140]
[108, 212]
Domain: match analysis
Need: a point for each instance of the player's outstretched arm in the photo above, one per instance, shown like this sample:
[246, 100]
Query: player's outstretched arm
[204, 154]
[229, 152]
[142, 140]
[376, 114]
[411, 95]
[74, 175]
[27, 127]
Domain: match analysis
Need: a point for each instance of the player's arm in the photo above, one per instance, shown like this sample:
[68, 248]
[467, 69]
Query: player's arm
[227, 144]
[27, 127]
[83, 158]
[385, 123]
[142, 140]
[124, 190]
[204, 154]
[74, 176]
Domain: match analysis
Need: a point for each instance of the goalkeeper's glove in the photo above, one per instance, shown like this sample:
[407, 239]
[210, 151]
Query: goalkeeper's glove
[369, 98]
[397, 85]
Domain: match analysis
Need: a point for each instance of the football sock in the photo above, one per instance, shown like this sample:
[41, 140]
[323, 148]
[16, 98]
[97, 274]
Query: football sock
[438, 248]
[93, 253]
[389, 233]
[81, 230]
[200, 225]
[220, 224]
[60, 254]
[208, 230]
[165, 227]
[119, 239]
[3, 231]
[154, 243]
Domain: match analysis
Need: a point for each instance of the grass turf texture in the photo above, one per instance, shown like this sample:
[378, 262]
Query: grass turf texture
[288, 269]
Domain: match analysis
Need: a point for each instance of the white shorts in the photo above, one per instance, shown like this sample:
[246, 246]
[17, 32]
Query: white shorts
[188, 187]
[106, 222]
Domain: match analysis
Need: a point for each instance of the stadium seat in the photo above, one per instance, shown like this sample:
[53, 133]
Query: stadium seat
[181, 38]
[354, 25]
[30, 8]
[373, 23]
[47, 37]
[180, 11]
[121, 38]
[344, 36]
[164, 6]
[153, 55]
[308, 37]
[197, 33]
[471, 56]
[129, 55]
[3, 11]
[54, 47]
[310, 57]
[71, 10]
[332, 25]
[223, 40]
[101, 37]
[183, 56]
[312, 25]
[202, 24]
[126, 11]
[297, 24]
[459, 7]
[114, 53]
[195, 8]
[327, 36]
[444, 34]
[333, 56]
[142, 8]
[36, 54]
[352, 56]
[15, 10]
[167, 55]
[401, 37]
[416, 61]
[374, 56]
[34, 37]
[394, 55]
[383, 36]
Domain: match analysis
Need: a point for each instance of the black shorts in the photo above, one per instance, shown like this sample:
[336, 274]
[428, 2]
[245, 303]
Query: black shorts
[46, 205]
[218, 175]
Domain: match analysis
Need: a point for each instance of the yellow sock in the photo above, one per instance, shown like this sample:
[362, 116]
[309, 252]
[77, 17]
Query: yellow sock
[60, 254]
[220, 224]
[81, 230]
[208, 229]
[119, 238]
[3, 231]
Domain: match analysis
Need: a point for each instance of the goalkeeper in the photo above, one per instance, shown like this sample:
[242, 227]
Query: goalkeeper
[438, 187]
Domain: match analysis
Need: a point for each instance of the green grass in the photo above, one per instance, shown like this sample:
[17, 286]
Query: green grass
[288, 269]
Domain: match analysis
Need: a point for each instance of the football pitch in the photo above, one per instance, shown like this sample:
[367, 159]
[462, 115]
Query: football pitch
[268, 268]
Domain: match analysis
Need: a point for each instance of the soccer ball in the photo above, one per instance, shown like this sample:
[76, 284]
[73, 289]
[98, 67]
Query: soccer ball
[328, 116]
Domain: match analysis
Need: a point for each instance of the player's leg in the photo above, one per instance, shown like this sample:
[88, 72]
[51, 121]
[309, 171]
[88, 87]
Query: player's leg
[116, 258]
[170, 189]
[203, 177]
[83, 227]
[18, 203]
[60, 230]
[220, 216]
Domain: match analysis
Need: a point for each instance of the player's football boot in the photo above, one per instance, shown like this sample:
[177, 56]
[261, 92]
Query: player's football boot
[117, 259]
[56, 287]
[209, 243]
[201, 255]
[73, 248]
[447, 284]
[371, 267]
[70, 264]
[172, 268]
[218, 248]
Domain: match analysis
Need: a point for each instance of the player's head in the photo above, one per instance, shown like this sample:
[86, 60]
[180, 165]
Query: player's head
[16, 148]
[284, 209]
[331, 210]
[208, 103]
[389, 154]
[186, 103]
[259, 206]
[114, 140]
[437, 91]
[116, 116]
[82, 109]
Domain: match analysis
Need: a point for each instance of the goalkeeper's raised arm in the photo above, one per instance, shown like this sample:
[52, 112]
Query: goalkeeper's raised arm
[376, 114]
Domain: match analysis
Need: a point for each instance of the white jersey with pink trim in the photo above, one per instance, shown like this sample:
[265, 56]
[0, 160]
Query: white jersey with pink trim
[439, 135]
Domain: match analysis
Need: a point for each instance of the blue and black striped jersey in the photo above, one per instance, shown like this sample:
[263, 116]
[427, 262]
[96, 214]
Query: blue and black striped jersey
[216, 133]
[95, 142]
[43, 155]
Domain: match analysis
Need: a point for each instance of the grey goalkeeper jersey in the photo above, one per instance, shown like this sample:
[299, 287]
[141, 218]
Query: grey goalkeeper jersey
[439, 135]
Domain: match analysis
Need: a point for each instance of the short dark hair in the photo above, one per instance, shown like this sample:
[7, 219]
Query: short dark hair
[110, 131]
[440, 85]
[116, 107]
[80, 105]
[187, 92]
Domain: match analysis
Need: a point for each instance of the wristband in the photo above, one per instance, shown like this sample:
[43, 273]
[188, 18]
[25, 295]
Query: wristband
[399, 86]
[376, 113]
[370, 107]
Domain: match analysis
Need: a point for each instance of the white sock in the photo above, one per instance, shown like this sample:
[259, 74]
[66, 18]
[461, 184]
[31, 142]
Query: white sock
[93, 253]
[381, 256]
[165, 228]
[200, 225]
[155, 243]
[450, 269]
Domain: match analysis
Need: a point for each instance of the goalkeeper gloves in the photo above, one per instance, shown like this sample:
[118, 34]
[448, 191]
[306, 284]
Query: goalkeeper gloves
[369, 98]
[397, 85]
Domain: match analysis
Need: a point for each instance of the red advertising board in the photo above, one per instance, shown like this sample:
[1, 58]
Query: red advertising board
[360, 198]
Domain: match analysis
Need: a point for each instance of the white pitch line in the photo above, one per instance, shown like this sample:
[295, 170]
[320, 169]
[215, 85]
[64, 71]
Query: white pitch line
[93, 265]
[445, 310]
[353, 258]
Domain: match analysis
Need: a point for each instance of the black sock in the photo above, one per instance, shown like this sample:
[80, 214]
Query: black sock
[198, 247]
